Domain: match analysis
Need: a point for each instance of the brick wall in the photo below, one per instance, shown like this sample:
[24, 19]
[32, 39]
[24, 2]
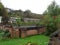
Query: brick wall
[11, 30]
[15, 32]
[23, 34]
[42, 30]
[31, 32]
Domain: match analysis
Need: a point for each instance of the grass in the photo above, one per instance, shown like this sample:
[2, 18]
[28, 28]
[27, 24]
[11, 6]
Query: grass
[40, 39]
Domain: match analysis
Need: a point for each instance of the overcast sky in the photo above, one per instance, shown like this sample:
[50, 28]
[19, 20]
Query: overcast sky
[36, 6]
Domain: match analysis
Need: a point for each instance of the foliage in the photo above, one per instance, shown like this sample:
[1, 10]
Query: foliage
[3, 13]
[50, 24]
[1, 30]
[23, 14]
[28, 13]
[52, 18]
[53, 9]
[58, 21]
[20, 22]
[6, 34]
[5, 20]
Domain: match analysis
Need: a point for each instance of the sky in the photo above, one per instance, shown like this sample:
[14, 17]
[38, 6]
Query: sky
[36, 6]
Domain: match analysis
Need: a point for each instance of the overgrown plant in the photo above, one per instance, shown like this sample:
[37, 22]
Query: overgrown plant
[6, 34]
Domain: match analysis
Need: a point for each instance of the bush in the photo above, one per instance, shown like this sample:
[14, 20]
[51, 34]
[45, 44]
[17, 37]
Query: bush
[50, 29]
[6, 33]
[1, 30]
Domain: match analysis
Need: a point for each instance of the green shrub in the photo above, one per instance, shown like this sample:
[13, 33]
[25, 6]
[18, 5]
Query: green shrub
[50, 29]
[6, 33]
[1, 30]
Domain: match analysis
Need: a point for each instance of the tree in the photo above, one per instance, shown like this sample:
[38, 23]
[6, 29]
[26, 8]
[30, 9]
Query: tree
[4, 14]
[45, 12]
[27, 13]
[53, 9]
[49, 22]
[58, 21]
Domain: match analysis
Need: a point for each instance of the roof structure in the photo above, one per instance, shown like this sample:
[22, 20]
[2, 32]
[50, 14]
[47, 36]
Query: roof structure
[21, 27]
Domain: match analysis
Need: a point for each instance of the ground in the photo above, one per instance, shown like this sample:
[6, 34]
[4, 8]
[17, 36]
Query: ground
[40, 39]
